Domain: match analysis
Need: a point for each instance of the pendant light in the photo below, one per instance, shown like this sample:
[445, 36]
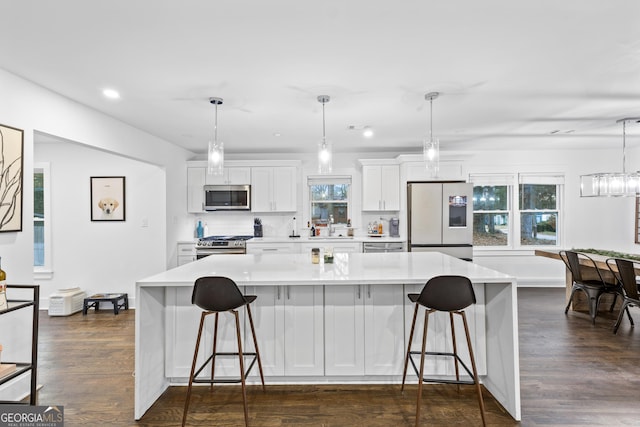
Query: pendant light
[324, 146]
[215, 155]
[613, 184]
[431, 145]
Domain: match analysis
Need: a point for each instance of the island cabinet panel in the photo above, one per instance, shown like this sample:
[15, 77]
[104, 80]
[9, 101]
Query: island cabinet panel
[439, 334]
[182, 322]
[289, 329]
[364, 330]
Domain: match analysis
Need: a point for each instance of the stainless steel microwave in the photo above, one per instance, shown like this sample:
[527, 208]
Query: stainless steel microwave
[227, 197]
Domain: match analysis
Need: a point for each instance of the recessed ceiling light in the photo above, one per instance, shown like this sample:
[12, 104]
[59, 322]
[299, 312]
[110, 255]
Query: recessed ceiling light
[277, 134]
[367, 132]
[111, 94]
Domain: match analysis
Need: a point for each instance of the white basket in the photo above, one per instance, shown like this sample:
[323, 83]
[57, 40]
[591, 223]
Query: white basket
[66, 302]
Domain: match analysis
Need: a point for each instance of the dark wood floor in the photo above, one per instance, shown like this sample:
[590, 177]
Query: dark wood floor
[572, 374]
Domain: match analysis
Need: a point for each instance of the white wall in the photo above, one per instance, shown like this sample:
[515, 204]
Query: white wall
[33, 109]
[100, 256]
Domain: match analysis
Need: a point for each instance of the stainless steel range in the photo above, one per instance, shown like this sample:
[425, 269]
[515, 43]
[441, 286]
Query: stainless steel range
[216, 245]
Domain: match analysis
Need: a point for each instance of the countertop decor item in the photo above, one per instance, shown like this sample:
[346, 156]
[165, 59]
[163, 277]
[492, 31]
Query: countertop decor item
[257, 227]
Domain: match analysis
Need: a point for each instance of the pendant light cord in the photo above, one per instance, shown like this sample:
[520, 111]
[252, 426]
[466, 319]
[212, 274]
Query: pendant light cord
[215, 127]
[431, 119]
[624, 144]
[324, 136]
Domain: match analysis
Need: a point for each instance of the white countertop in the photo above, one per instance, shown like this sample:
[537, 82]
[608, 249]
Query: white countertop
[347, 269]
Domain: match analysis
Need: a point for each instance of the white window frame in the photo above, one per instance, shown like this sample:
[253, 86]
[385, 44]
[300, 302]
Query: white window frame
[497, 180]
[513, 181]
[45, 271]
[330, 180]
[556, 179]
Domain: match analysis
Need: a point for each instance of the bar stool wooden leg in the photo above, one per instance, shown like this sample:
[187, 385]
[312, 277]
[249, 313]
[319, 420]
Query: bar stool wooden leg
[215, 344]
[406, 359]
[193, 369]
[473, 366]
[241, 359]
[455, 349]
[421, 377]
[255, 345]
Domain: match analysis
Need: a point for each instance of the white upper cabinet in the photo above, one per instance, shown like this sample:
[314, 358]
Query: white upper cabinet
[230, 176]
[381, 187]
[195, 189]
[273, 189]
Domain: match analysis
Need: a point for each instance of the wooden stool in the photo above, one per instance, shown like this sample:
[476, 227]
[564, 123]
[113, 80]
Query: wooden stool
[451, 294]
[215, 295]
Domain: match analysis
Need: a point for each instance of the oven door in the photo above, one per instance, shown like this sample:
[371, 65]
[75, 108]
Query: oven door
[205, 252]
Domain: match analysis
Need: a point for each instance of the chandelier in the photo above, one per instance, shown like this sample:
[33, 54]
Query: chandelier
[613, 184]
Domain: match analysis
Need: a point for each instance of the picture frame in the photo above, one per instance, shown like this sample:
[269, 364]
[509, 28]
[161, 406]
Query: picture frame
[108, 198]
[11, 178]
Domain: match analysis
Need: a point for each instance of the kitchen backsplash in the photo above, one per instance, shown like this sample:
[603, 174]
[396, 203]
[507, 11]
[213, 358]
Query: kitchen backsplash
[241, 223]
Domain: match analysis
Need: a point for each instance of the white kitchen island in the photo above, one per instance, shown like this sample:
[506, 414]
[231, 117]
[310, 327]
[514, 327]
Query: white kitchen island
[325, 323]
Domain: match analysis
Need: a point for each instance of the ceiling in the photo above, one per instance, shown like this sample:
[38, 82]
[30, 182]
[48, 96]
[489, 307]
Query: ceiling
[512, 75]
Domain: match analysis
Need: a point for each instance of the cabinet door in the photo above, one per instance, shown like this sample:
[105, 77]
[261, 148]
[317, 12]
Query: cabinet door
[303, 330]
[371, 192]
[232, 175]
[383, 328]
[182, 321]
[439, 334]
[268, 319]
[261, 189]
[390, 187]
[271, 248]
[195, 189]
[344, 330]
[238, 176]
[284, 189]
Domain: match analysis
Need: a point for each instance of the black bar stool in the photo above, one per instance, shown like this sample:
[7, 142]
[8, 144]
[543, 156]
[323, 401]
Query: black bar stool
[215, 295]
[443, 293]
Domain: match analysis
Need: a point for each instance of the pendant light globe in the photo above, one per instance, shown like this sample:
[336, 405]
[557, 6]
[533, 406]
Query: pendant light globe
[325, 149]
[215, 153]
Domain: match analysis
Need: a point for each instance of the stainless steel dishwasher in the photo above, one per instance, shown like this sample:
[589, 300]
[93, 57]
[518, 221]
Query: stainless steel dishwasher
[383, 247]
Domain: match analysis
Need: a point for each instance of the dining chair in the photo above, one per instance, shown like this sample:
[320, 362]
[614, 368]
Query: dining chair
[625, 272]
[593, 288]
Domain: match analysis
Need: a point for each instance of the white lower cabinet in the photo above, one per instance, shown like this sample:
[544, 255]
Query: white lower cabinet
[271, 248]
[186, 253]
[289, 327]
[439, 335]
[364, 330]
[183, 319]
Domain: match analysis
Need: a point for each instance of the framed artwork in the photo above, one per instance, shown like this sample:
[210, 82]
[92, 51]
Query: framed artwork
[107, 198]
[11, 150]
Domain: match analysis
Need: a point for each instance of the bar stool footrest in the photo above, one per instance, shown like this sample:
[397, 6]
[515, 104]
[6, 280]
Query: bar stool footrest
[196, 380]
[442, 380]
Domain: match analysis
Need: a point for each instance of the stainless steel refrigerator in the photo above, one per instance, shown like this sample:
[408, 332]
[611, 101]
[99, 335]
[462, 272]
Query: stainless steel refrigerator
[440, 218]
